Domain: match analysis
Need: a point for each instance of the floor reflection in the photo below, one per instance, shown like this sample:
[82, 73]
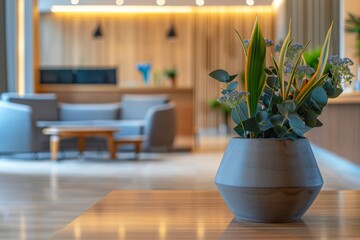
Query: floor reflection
[240, 229]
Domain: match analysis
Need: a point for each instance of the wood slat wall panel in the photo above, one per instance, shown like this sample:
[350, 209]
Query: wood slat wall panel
[217, 46]
[312, 18]
[66, 40]
[206, 41]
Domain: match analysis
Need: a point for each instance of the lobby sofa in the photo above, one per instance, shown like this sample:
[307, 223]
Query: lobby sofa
[23, 117]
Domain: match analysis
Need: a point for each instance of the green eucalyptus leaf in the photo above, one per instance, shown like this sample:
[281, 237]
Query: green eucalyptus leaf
[262, 116]
[268, 71]
[315, 106]
[231, 77]
[292, 135]
[286, 107]
[274, 71]
[297, 124]
[280, 130]
[311, 118]
[273, 82]
[320, 96]
[277, 119]
[235, 116]
[318, 123]
[329, 88]
[220, 75]
[232, 86]
[266, 125]
[266, 100]
[337, 92]
[239, 130]
[263, 119]
[252, 126]
[239, 113]
[277, 99]
[225, 91]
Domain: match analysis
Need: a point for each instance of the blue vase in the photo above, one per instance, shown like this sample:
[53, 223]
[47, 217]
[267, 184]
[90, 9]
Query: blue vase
[144, 69]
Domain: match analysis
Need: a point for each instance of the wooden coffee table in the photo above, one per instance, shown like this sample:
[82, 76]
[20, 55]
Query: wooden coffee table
[80, 132]
[173, 214]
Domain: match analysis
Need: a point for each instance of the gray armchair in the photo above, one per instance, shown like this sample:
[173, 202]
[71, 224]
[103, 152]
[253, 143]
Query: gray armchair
[17, 128]
[160, 127]
[43, 107]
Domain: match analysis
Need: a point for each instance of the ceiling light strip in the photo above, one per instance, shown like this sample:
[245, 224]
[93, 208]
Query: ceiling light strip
[119, 9]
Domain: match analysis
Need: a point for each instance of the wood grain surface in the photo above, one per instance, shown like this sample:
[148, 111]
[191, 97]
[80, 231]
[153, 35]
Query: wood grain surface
[203, 215]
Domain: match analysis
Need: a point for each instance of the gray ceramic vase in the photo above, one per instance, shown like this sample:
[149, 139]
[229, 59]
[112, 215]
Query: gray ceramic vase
[268, 180]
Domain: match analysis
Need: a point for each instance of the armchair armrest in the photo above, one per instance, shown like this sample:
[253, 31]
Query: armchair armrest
[16, 128]
[160, 127]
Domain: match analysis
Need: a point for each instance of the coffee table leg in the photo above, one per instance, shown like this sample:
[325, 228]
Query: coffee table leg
[81, 144]
[54, 146]
[111, 146]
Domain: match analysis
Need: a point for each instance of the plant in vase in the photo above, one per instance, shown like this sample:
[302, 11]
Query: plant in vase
[171, 73]
[144, 69]
[269, 173]
[224, 109]
[353, 26]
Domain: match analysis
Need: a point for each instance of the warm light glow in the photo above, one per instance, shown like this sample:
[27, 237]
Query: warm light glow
[235, 9]
[250, 2]
[160, 2]
[77, 230]
[122, 231]
[119, 2]
[200, 230]
[74, 2]
[22, 226]
[21, 48]
[118, 9]
[156, 9]
[162, 230]
[276, 3]
[200, 2]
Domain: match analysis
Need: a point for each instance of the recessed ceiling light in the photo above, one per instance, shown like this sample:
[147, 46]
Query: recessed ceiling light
[200, 2]
[250, 2]
[160, 2]
[119, 2]
[74, 2]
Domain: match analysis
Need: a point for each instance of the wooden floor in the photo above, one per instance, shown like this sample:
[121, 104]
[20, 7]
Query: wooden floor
[39, 197]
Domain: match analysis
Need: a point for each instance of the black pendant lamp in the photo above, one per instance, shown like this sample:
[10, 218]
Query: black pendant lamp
[171, 34]
[98, 32]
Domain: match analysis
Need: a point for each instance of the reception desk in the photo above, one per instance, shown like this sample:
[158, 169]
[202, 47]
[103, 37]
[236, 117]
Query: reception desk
[182, 97]
[340, 133]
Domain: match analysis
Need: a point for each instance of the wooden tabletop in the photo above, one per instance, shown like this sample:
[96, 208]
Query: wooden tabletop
[203, 215]
[55, 130]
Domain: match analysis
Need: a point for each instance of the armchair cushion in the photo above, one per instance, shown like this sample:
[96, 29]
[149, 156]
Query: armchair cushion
[134, 107]
[83, 112]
